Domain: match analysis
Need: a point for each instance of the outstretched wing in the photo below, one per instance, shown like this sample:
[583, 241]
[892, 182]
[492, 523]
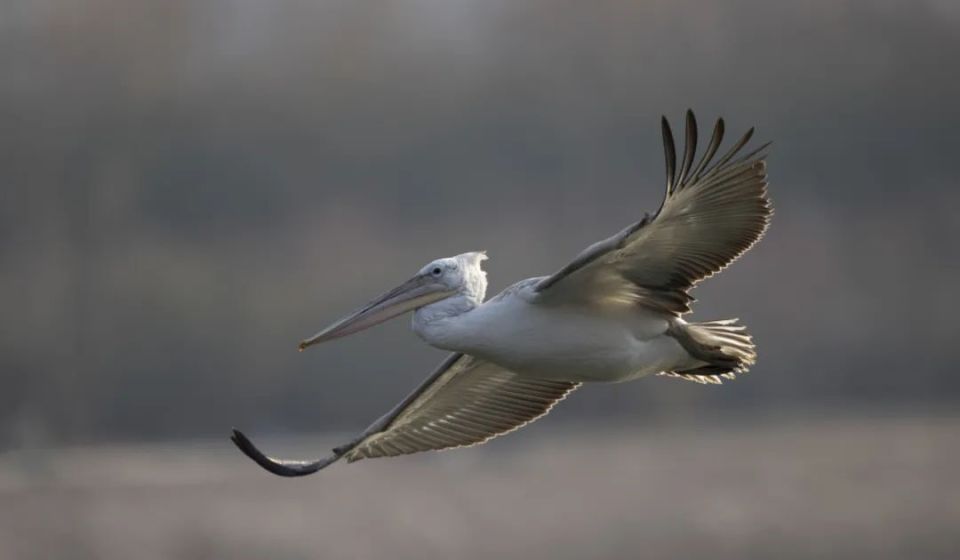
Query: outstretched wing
[466, 401]
[711, 214]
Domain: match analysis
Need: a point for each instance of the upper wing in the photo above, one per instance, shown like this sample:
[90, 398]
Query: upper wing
[711, 214]
[464, 402]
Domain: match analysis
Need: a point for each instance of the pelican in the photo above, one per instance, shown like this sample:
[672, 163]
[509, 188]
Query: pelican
[613, 314]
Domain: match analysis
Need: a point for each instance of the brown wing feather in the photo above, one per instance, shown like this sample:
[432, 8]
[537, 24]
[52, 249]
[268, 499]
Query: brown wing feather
[471, 402]
[711, 214]
[465, 401]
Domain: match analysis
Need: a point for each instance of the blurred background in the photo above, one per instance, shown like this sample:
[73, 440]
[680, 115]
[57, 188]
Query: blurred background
[188, 188]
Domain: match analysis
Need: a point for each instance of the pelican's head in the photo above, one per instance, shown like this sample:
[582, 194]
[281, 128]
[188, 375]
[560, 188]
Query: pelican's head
[440, 279]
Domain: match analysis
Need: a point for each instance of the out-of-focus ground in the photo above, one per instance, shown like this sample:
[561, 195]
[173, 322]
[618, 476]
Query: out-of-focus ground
[811, 485]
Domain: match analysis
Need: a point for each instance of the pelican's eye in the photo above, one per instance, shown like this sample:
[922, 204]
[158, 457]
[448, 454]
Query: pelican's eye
[436, 271]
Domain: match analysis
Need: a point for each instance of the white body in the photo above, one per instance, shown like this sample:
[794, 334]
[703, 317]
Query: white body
[569, 342]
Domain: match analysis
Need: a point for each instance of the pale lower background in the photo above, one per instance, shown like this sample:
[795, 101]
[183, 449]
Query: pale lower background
[835, 485]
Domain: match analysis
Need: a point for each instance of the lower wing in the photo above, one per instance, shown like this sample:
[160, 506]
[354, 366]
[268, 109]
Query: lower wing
[465, 401]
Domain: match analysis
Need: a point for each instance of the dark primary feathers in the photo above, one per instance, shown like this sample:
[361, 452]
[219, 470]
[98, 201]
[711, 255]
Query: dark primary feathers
[713, 211]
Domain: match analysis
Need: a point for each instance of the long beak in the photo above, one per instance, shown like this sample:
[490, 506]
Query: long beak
[418, 291]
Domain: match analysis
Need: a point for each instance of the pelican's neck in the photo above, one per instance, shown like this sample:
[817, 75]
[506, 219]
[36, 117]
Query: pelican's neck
[444, 324]
[437, 324]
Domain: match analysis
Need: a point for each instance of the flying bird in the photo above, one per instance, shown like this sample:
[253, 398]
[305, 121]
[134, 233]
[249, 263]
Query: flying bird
[613, 314]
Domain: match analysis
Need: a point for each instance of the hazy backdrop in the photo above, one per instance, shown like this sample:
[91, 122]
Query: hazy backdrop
[189, 187]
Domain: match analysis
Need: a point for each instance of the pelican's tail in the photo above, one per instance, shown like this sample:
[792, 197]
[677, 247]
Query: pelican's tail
[725, 346]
